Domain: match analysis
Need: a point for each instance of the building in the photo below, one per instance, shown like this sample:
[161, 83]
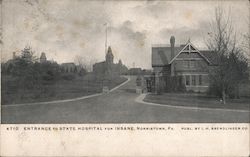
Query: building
[135, 71]
[182, 66]
[109, 56]
[43, 58]
[107, 68]
[68, 67]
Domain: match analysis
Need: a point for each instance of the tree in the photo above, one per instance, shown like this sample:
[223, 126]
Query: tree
[84, 63]
[232, 65]
[28, 55]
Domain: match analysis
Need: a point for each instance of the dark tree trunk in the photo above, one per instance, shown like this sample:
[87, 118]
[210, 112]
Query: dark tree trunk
[223, 95]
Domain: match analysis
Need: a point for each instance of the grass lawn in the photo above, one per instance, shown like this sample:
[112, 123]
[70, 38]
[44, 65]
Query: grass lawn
[198, 100]
[245, 89]
[62, 89]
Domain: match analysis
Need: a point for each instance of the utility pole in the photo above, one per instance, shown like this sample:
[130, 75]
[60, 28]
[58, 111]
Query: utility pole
[106, 37]
[104, 80]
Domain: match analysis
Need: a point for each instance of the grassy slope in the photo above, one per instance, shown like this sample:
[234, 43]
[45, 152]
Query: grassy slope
[62, 89]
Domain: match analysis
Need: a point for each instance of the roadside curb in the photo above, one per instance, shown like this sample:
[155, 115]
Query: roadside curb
[67, 100]
[140, 99]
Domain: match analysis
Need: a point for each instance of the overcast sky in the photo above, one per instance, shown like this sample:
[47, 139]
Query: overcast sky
[64, 29]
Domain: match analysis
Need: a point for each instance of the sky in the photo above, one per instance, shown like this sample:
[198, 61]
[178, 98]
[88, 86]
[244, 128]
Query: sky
[67, 29]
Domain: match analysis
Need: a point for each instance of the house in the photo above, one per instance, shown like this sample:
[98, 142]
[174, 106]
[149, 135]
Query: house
[182, 66]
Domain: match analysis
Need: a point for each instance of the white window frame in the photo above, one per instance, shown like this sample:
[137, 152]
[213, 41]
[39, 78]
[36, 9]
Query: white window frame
[190, 79]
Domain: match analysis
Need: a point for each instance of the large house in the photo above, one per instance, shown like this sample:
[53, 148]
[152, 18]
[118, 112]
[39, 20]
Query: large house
[183, 66]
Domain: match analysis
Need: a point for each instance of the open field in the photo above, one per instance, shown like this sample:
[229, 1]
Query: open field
[11, 93]
[198, 100]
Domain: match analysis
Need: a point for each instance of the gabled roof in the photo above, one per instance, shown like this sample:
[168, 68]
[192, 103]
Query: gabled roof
[161, 55]
[189, 47]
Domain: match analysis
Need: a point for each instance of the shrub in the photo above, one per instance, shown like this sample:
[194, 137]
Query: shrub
[174, 84]
[68, 76]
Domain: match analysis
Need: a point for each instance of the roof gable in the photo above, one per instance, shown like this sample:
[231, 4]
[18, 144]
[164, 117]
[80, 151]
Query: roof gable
[190, 48]
[161, 55]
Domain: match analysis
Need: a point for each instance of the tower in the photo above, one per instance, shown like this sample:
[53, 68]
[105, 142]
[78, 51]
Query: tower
[43, 58]
[14, 55]
[120, 62]
[109, 56]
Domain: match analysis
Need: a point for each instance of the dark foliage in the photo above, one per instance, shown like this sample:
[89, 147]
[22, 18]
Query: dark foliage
[68, 76]
[232, 65]
[232, 71]
[175, 84]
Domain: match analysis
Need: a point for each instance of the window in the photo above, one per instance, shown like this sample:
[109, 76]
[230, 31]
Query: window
[200, 79]
[187, 80]
[193, 80]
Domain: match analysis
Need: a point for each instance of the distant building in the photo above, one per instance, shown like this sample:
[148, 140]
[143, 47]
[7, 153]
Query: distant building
[108, 68]
[185, 63]
[68, 67]
[71, 68]
[14, 55]
[43, 58]
[135, 71]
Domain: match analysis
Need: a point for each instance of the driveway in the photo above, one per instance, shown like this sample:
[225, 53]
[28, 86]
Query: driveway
[118, 106]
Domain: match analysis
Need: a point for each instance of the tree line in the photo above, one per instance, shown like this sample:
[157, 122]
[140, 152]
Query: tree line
[26, 72]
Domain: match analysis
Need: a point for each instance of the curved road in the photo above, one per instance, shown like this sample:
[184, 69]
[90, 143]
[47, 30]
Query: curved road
[118, 106]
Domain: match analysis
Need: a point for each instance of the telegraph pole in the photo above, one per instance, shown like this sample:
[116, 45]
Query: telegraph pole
[104, 80]
[106, 37]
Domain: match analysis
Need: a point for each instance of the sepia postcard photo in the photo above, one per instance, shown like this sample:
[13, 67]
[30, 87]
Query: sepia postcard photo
[124, 71]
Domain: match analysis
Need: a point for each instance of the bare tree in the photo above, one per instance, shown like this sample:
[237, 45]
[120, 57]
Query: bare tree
[232, 65]
[79, 60]
[246, 40]
[84, 63]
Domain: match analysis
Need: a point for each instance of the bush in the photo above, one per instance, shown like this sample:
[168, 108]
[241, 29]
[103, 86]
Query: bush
[174, 84]
[82, 72]
[232, 90]
[68, 76]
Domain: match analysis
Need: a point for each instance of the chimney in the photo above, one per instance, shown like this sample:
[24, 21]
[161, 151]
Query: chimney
[172, 41]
